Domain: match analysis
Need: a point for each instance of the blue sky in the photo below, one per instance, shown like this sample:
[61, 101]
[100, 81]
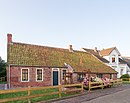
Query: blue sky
[58, 23]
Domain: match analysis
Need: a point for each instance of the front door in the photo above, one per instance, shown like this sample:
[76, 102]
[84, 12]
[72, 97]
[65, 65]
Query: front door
[55, 77]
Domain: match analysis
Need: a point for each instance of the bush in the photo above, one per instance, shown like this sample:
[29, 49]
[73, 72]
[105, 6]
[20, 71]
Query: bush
[2, 68]
[125, 76]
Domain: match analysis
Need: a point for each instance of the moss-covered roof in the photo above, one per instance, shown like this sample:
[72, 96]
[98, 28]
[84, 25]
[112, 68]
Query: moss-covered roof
[21, 54]
[96, 54]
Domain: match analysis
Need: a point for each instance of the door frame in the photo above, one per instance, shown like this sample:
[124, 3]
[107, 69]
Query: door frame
[56, 69]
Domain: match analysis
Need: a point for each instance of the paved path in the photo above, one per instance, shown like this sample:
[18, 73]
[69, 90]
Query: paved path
[88, 96]
[3, 86]
[119, 97]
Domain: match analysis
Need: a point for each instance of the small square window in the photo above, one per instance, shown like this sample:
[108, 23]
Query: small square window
[113, 59]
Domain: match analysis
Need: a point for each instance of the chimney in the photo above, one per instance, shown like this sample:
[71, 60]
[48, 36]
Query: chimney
[9, 38]
[95, 49]
[70, 48]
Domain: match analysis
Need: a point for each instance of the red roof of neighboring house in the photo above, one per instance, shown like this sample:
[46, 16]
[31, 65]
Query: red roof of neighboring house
[106, 52]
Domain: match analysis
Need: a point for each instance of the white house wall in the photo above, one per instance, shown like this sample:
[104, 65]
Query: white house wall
[115, 54]
[124, 69]
[106, 57]
[118, 68]
[116, 65]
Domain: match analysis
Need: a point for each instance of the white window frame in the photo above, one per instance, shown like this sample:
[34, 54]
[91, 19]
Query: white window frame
[21, 74]
[36, 74]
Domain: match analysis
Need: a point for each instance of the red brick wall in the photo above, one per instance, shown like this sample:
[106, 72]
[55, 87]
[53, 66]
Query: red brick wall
[75, 78]
[114, 76]
[15, 80]
[106, 75]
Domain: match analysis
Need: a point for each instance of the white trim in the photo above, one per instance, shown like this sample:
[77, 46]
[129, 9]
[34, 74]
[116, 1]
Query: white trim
[56, 69]
[21, 74]
[36, 75]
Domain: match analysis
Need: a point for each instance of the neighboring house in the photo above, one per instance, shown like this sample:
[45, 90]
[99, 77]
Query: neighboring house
[127, 60]
[111, 57]
[34, 65]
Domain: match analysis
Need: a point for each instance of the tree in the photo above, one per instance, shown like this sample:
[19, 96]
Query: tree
[2, 68]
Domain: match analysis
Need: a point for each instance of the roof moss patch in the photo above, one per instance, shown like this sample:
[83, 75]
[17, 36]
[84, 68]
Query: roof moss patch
[33, 55]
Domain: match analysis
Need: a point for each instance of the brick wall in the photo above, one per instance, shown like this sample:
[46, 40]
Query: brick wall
[15, 80]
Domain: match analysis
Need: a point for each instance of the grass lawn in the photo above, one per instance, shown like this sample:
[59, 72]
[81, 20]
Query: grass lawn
[126, 82]
[37, 99]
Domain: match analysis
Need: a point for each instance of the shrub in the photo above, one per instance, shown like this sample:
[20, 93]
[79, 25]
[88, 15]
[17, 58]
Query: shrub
[125, 76]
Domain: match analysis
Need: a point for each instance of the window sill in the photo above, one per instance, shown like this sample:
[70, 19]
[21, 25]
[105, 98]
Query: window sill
[39, 80]
[24, 81]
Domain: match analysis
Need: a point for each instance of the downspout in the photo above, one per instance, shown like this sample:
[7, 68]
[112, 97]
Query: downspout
[9, 76]
[9, 42]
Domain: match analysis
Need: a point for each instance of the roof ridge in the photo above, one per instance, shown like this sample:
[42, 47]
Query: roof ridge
[109, 48]
[39, 45]
[57, 48]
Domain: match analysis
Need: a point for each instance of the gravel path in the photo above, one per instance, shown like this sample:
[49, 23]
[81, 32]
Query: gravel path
[87, 96]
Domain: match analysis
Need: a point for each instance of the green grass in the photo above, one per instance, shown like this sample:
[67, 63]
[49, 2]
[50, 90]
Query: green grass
[13, 95]
[126, 82]
[34, 92]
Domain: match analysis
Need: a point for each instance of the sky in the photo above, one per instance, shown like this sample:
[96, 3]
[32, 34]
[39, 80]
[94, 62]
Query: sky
[59, 23]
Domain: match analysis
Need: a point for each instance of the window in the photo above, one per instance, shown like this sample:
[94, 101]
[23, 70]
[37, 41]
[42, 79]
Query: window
[64, 72]
[113, 59]
[24, 75]
[111, 76]
[121, 72]
[99, 75]
[81, 77]
[39, 75]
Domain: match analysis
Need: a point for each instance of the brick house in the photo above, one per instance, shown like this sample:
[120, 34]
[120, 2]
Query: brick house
[35, 65]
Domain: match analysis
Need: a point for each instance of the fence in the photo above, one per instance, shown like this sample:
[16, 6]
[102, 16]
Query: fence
[102, 85]
[126, 79]
[60, 89]
[2, 79]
